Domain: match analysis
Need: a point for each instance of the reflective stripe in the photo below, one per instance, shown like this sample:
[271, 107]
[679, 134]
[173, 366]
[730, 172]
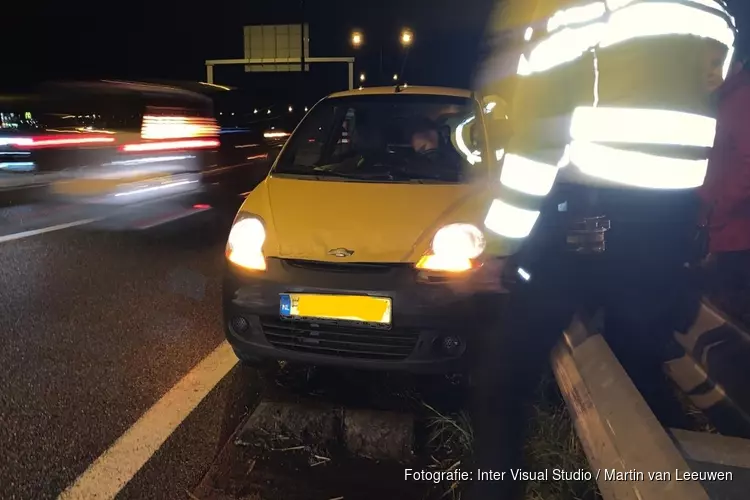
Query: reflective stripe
[528, 176]
[637, 169]
[644, 126]
[712, 4]
[727, 63]
[661, 19]
[629, 23]
[472, 157]
[561, 47]
[509, 221]
[576, 15]
[618, 4]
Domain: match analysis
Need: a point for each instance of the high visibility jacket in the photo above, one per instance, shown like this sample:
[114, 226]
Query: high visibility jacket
[605, 93]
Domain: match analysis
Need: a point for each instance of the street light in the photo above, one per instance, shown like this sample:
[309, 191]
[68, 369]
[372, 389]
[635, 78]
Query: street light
[395, 78]
[361, 77]
[407, 37]
[357, 38]
[290, 109]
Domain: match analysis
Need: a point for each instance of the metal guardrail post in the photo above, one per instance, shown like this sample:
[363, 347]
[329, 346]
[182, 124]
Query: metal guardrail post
[618, 430]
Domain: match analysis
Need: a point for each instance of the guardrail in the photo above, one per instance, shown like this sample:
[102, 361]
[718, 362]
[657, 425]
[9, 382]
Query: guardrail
[620, 433]
[618, 430]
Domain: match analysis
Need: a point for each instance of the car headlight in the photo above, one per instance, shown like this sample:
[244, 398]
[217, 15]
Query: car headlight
[245, 244]
[454, 248]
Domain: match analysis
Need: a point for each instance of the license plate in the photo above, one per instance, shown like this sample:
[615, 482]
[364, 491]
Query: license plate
[358, 308]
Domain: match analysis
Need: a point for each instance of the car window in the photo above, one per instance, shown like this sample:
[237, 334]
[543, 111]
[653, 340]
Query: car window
[310, 139]
[386, 138]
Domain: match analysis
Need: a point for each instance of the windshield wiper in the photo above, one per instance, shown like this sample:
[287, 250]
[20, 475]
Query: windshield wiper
[394, 175]
[422, 177]
[333, 173]
[317, 173]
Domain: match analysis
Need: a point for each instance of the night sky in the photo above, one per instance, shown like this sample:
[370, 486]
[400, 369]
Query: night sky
[168, 39]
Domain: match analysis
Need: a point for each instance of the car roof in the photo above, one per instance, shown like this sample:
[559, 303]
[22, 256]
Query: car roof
[405, 89]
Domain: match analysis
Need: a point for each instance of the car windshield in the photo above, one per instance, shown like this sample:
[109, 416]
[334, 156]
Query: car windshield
[385, 138]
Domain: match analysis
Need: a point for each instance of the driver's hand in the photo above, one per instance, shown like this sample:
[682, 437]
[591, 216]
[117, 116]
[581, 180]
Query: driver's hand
[493, 277]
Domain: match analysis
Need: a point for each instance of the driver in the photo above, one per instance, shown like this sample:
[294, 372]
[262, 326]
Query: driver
[431, 151]
[425, 137]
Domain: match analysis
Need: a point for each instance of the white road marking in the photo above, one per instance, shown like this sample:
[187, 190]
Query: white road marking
[34, 232]
[109, 474]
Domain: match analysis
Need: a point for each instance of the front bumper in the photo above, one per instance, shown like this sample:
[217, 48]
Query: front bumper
[426, 314]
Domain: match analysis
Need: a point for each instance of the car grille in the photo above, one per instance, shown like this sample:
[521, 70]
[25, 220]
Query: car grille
[358, 268]
[339, 340]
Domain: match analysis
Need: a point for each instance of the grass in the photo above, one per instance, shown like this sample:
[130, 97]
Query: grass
[452, 434]
[551, 444]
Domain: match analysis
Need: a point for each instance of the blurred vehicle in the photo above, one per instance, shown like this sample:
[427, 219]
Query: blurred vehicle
[139, 153]
[252, 135]
[19, 181]
[110, 144]
[363, 247]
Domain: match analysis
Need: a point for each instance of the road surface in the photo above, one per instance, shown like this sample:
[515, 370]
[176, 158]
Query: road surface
[97, 328]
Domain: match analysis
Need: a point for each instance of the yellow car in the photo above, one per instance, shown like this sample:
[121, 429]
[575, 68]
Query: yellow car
[364, 247]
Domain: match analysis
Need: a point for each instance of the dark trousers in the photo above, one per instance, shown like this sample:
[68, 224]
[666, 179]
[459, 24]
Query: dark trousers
[730, 286]
[637, 281]
[733, 271]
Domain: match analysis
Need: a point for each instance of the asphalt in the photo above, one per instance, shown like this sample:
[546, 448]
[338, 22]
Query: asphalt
[95, 327]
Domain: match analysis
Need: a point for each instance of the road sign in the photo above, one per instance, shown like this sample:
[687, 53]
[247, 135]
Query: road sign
[274, 42]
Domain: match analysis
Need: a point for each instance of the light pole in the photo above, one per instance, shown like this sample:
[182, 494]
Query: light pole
[357, 39]
[406, 39]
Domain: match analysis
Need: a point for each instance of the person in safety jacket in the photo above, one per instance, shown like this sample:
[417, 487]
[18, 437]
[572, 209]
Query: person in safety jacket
[726, 194]
[609, 126]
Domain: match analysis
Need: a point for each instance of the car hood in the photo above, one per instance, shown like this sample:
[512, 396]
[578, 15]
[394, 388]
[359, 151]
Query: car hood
[378, 222]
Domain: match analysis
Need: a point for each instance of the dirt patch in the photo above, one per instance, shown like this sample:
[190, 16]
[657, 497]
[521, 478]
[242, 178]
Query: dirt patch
[298, 451]
[318, 435]
[301, 474]
[273, 423]
[379, 435]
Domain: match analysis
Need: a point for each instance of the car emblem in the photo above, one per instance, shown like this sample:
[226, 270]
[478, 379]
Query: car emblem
[341, 252]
